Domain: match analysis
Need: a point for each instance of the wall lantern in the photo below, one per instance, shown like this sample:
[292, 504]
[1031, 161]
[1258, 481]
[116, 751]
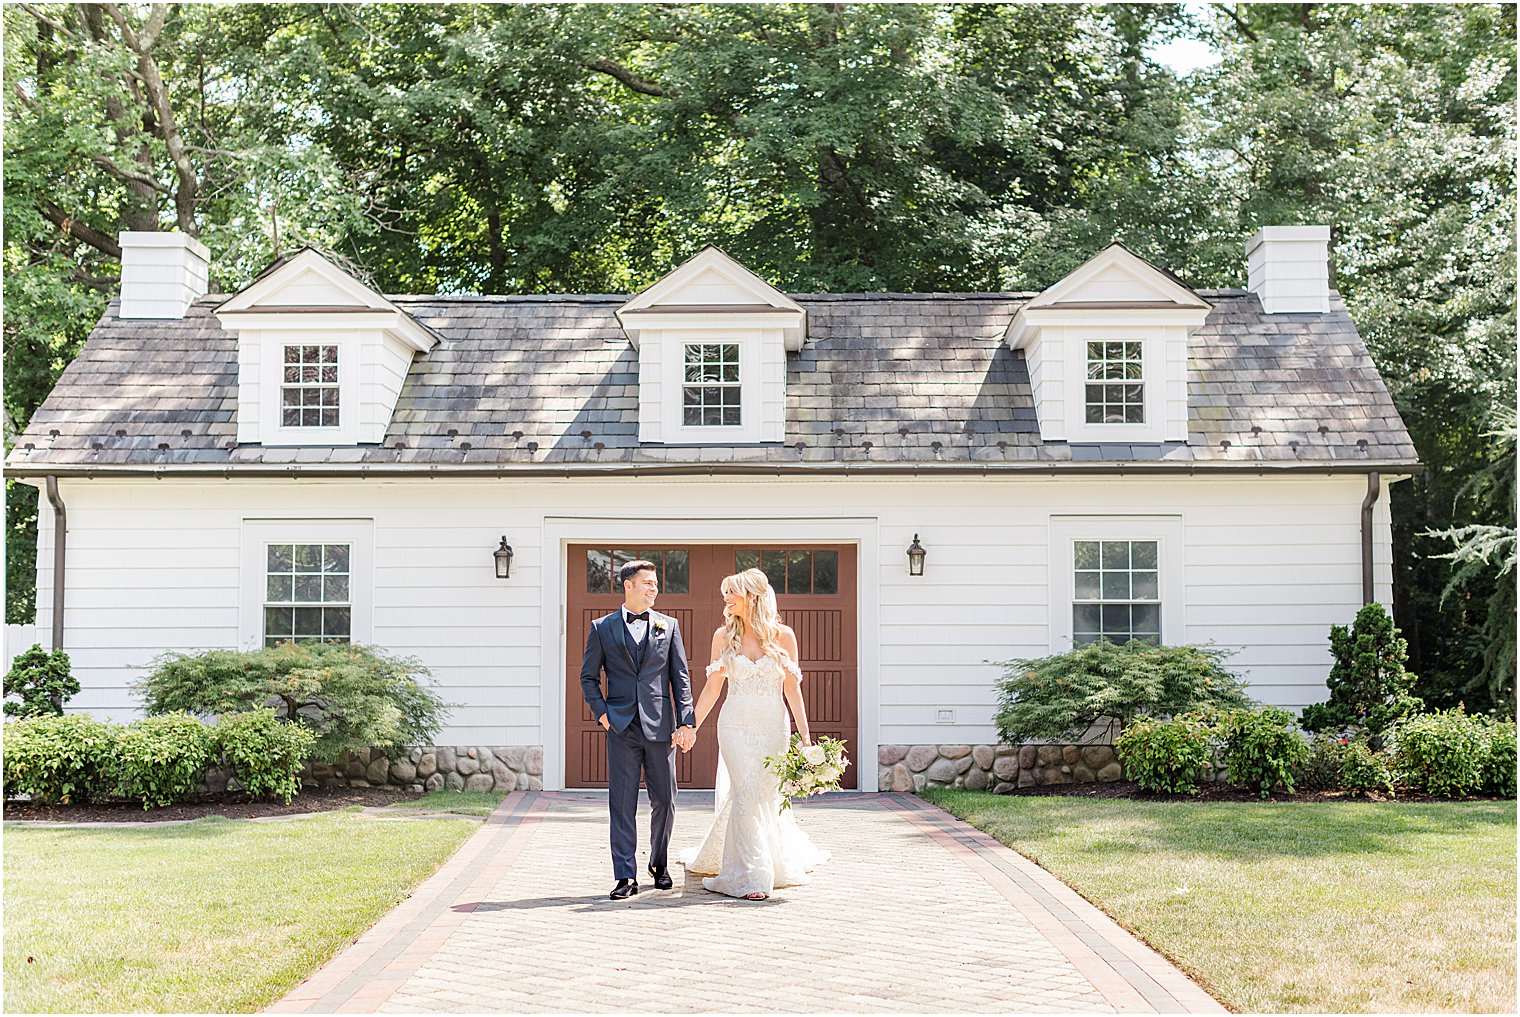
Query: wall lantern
[504, 559]
[916, 554]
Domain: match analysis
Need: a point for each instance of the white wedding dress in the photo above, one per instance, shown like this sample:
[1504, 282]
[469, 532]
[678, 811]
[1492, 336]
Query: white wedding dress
[753, 846]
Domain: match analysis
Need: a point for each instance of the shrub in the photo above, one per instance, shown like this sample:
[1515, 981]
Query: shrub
[1262, 748]
[61, 760]
[1369, 687]
[351, 696]
[1165, 755]
[1364, 770]
[1499, 763]
[264, 752]
[1323, 766]
[1442, 752]
[161, 759]
[43, 680]
[1062, 695]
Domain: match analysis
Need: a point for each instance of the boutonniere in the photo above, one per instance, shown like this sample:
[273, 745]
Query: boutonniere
[659, 624]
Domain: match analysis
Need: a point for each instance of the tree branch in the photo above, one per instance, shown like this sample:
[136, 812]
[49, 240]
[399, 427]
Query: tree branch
[1245, 29]
[79, 231]
[106, 163]
[187, 186]
[623, 74]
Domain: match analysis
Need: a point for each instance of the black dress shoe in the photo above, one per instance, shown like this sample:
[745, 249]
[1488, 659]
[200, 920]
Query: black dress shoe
[625, 888]
[662, 880]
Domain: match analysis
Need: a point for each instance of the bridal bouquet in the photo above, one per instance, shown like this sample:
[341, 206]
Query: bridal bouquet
[808, 771]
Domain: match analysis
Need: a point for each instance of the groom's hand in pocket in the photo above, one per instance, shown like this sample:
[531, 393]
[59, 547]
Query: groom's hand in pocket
[602, 720]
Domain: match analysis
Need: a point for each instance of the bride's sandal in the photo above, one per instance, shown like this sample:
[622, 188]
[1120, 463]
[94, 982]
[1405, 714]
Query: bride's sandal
[756, 896]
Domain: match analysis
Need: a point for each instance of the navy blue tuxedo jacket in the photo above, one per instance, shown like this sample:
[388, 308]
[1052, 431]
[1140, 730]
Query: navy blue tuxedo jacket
[658, 694]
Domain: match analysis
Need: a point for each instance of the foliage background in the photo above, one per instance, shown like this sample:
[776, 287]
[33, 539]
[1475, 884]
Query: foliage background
[589, 148]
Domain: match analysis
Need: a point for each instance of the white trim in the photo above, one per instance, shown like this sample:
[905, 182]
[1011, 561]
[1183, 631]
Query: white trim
[272, 380]
[1131, 265]
[674, 381]
[1166, 530]
[784, 312]
[1152, 367]
[561, 531]
[257, 534]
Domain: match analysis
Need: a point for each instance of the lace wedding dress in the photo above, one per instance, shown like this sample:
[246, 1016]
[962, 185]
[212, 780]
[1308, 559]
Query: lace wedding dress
[753, 846]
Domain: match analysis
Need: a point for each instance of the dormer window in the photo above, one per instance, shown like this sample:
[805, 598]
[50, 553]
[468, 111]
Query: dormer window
[309, 395]
[321, 356]
[1115, 383]
[710, 394]
[712, 340]
[1107, 352]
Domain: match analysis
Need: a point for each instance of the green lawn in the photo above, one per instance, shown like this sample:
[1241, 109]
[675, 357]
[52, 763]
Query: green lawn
[460, 803]
[1331, 907]
[214, 916]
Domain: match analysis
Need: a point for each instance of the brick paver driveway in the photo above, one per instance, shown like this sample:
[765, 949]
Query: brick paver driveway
[916, 912]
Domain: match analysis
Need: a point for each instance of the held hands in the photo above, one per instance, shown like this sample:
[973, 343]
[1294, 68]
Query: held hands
[684, 738]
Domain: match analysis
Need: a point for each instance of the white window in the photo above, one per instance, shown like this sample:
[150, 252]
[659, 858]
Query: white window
[710, 389]
[307, 593]
[1119, 577]
[1116, 591]
[309, 389]
[1115, 392]
[307, 580]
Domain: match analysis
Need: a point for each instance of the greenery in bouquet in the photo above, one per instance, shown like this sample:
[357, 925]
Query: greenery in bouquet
[810, 770]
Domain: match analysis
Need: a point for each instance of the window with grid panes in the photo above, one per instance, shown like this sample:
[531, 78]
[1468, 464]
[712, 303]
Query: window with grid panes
[794, 571]
[710, 391]
[307, 593]
[1117, 593]
[672, 569]
[1115, 383]
[309, 391]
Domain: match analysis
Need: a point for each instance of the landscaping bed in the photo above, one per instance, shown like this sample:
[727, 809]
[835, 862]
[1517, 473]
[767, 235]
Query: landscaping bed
[1222, 792]
[232, 804]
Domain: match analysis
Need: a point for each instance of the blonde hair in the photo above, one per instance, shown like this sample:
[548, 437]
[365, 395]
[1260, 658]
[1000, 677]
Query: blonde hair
[764, 620]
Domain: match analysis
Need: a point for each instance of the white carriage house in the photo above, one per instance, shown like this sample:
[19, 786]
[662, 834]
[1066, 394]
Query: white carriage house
[1118, 455]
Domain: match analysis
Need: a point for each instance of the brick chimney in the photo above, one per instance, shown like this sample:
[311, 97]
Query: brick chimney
[161, 274]
[1289, 268]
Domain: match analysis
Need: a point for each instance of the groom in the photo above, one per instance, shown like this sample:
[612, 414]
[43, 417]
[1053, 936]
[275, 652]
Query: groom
[645, 661]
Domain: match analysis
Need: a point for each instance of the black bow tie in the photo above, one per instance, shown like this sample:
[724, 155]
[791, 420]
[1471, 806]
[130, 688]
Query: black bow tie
[636, 617]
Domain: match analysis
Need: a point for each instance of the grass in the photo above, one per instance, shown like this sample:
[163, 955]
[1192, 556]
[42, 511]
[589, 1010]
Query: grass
[1291, 907]
[460, 803]
[215, 916]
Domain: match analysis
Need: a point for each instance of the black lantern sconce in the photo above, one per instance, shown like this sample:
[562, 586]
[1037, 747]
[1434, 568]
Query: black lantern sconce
[916, 554]
[504, 560]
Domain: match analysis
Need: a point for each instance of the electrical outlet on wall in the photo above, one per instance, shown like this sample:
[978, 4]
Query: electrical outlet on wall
[946, 717]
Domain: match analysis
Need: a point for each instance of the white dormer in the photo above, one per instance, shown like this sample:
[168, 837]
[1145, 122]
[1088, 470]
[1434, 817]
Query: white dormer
[1107, 349]
[321, 356]
[712, 339]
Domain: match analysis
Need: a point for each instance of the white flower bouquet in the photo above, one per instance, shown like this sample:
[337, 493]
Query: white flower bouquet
[808, 771]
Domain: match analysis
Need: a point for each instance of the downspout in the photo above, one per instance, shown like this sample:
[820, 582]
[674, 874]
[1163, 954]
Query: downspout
[1374, 485]
[60, 537]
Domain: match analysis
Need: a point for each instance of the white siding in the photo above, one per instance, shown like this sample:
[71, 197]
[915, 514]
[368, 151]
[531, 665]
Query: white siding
[652, 394]
[772, 386]
[386, 363]
[1269, 564]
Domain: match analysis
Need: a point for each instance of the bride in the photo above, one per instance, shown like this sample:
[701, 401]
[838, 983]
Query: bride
[753, 845]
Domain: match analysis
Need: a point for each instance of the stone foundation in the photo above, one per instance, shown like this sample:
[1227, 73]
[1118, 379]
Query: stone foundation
[430, 767]
[998, 768]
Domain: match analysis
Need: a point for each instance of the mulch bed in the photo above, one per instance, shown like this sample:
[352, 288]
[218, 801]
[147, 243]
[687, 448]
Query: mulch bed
[1222, 793]
[234, 805]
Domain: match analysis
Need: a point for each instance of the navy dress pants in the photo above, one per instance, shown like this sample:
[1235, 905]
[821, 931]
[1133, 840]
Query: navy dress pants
[629, 753]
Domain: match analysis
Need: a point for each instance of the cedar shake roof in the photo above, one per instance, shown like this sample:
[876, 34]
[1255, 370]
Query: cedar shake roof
[884, 378]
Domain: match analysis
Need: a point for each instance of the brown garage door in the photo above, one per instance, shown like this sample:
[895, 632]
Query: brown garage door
[815, 593]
